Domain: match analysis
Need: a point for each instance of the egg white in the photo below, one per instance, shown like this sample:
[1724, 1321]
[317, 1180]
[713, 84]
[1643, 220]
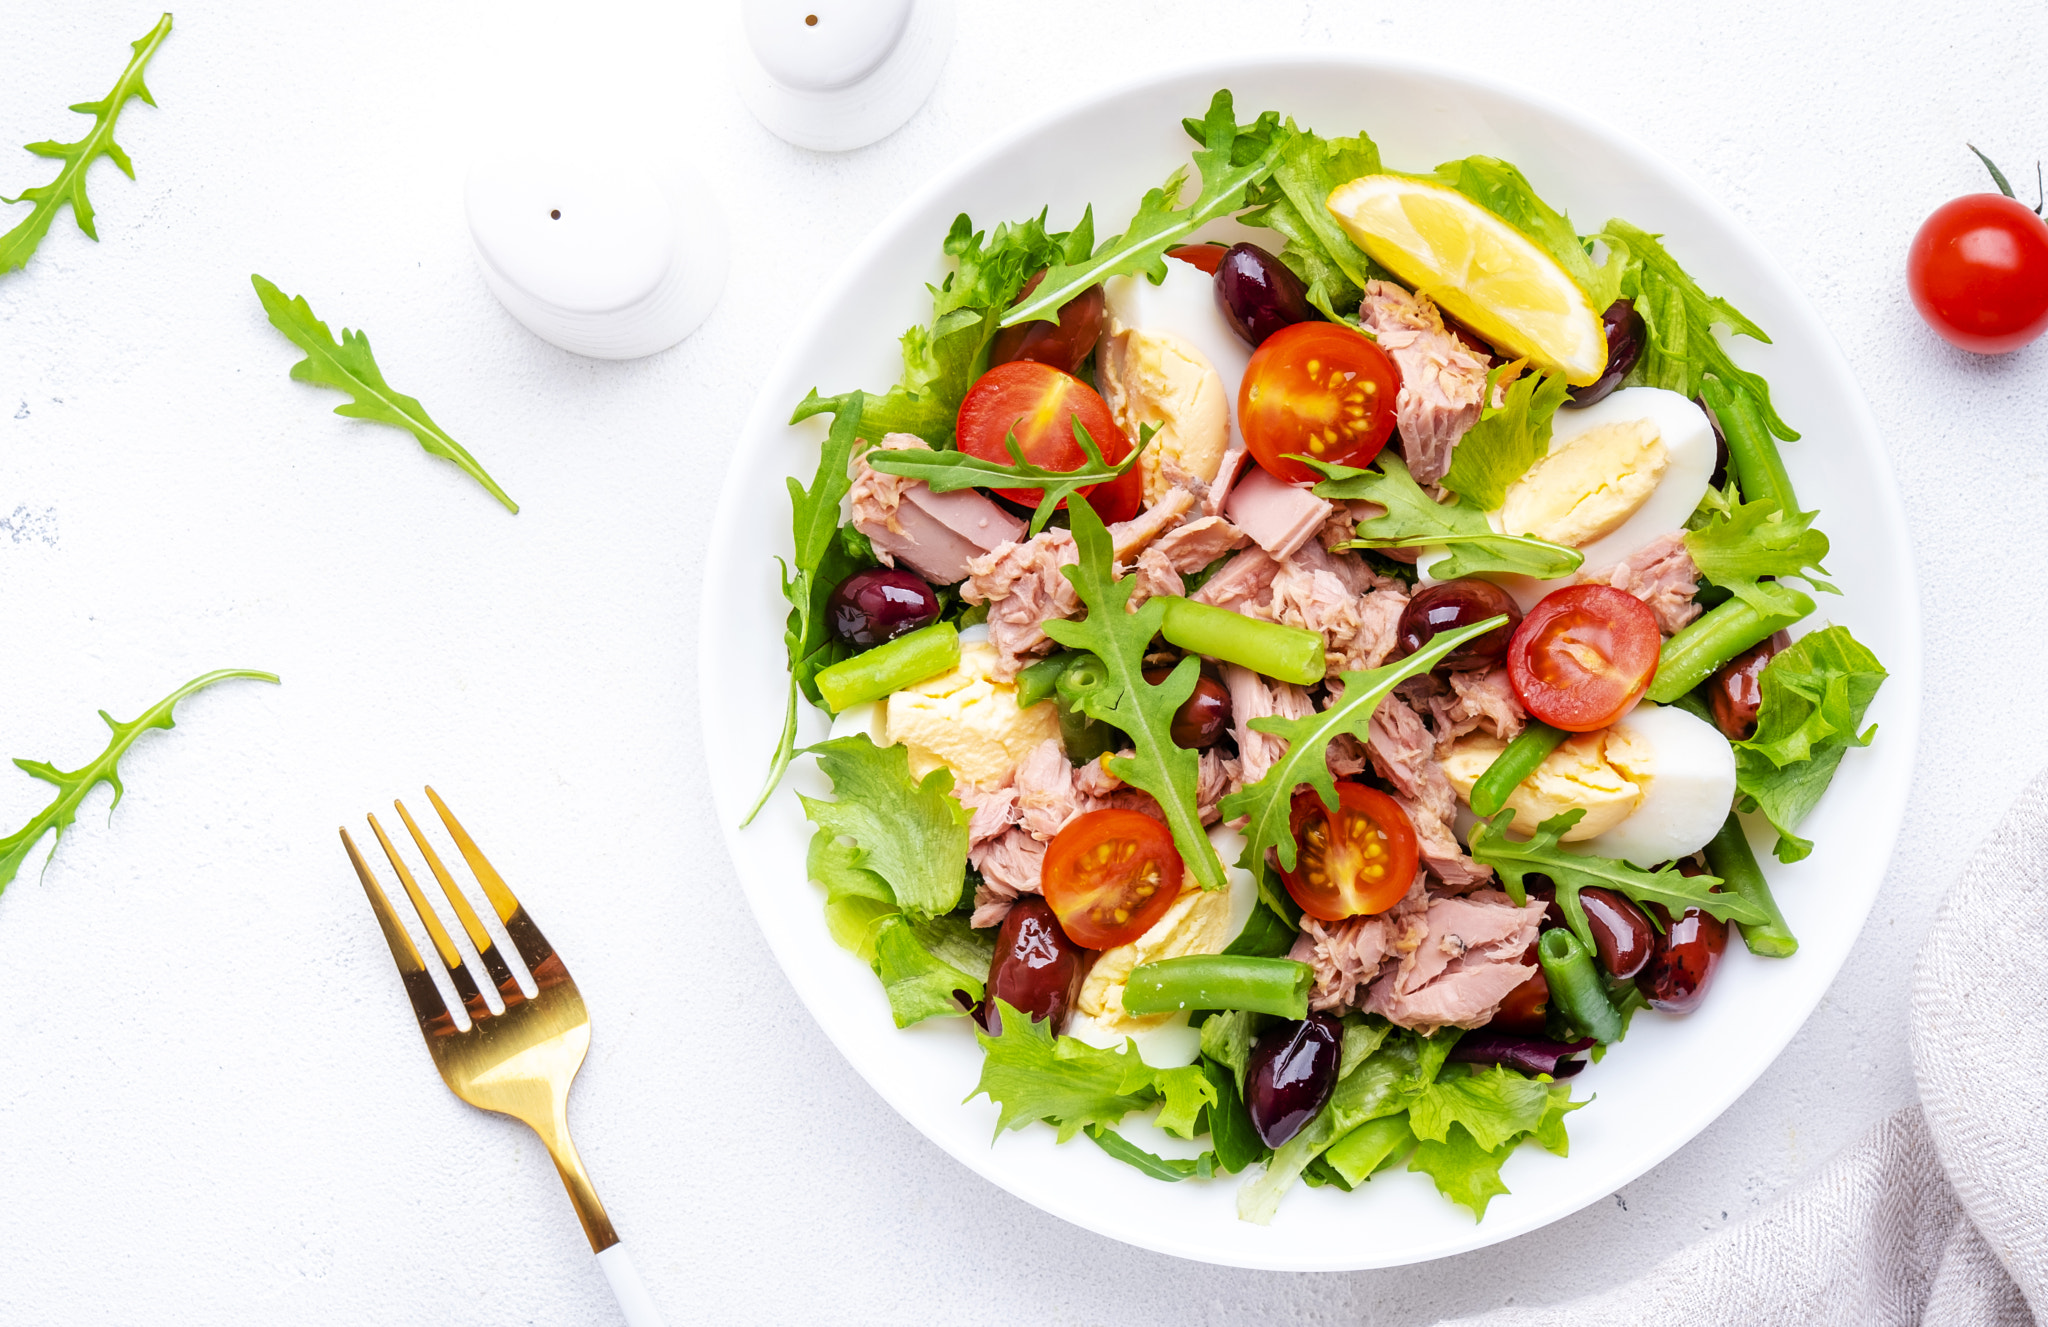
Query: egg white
[1687, 796]
[1185, 305]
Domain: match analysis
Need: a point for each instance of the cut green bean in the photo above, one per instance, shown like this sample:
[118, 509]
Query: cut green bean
[1291, 654]
[1371, 1147]
[1529, 749]
[1729, 857]
[1277, 986]
[1752, 452]
[1037, 682]
[1715, 637]
[1084, 738]
[908, 659]
[1576, 986]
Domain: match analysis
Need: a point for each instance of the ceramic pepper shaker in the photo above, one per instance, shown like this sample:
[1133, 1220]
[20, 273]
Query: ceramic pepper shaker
[832, 75]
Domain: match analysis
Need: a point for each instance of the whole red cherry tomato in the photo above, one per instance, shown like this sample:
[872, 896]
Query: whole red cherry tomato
[1978, 271]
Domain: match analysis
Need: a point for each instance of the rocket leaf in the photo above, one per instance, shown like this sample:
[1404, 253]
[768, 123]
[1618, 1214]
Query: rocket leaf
[19, 244]
[72, 786]
[1415, 520]
[350, 367]
[946, 472]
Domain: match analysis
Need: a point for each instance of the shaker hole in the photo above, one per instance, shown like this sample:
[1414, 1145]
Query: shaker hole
[556, 214]
[810, 20]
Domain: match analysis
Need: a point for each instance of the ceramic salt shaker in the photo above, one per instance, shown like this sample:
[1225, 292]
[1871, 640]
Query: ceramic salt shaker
[607, 253]
[832, 75]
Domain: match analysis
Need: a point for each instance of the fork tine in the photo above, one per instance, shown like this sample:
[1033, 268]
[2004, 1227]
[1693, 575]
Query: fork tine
[458, 971]
[486, 947]
[433, 1015]
[541, 959]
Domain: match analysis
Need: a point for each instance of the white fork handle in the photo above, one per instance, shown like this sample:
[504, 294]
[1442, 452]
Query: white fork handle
[634, 1301]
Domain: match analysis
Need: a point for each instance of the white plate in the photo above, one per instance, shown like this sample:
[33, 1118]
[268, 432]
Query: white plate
[1674, 1075]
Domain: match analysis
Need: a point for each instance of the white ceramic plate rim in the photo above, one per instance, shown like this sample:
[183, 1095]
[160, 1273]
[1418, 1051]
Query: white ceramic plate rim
[1396, 1226]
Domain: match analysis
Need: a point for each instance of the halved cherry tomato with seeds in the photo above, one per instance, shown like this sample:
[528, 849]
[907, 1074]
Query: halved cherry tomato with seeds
[1584, 656]
[1356, 860]
[1040, 403]
[1110, 876]
[1316, 389]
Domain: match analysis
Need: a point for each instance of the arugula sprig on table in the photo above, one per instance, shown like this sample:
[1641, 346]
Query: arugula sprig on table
[73, 785]
[18, 245]
[1415, 520]
[946, 472]
[348, 366]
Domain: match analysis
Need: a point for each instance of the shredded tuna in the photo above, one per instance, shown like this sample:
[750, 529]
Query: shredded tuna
[1404, 753]
[1661, 574]
[1468, 960]
[1442, 855]
[1183, 550]
[935, 534]
[1047, 799]
[993, 811]
[1254, 697]
[1010, 865]
[1216, 777]
[1345, 756]
[1023, 587]
[1127, 537]
[1442, 380]
[1347, 567]
[1244, 580]
[1345, 957]
[1469, 702]
[1094, 779]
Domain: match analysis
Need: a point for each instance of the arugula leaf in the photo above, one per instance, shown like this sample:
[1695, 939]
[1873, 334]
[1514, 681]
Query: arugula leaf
[1415, 520]
[1507, 439]
[1815, 694]
[919, 983]
[18, 245]
[1032, 1075]
[822, 561]
[912, 834]
[73, 785]
[1572, 871]
[1268, 802]
[945, 472]
[1171, 1169]
[1159, 225]
[1126, 701]
[1757, 539]
[1681, 349]
[350, 367]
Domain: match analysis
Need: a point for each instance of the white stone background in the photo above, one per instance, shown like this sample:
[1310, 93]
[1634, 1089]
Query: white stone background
[213, 1106]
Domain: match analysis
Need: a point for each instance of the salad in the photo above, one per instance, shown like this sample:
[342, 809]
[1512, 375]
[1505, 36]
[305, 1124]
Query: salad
[1302, 668]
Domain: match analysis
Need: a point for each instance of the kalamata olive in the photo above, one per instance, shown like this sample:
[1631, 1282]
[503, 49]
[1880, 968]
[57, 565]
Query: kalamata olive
[1625, 339]
[1259, 294]
[1064, 344]
[1736, 691]
[1526, 1011]
[1676, 977]
[880, 604]
[1719, 479]
[1622, 934]
[1036, 967]
[1290, 1075]
[1203, 717]
[1449, 605]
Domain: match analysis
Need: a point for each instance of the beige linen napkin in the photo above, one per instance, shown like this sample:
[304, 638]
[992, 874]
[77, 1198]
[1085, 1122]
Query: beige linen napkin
[1939, 1216]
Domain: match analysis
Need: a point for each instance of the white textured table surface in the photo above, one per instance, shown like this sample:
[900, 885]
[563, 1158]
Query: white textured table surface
[213, 1107]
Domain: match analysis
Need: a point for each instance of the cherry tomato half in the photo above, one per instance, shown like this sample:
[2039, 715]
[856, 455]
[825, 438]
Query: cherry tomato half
[1583, 656]
[1208, 257]
[1356, 860]
[1110, 876]
[1978, 273]
[1040, 403]
[1316, 389]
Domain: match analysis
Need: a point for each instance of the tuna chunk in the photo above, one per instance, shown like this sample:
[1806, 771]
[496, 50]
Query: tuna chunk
[1469, 959]
[1442, 380]
[1404, 753]
[1254, 697]
[993, 811]
[1185, 549]
[1127, 537]
[1278, 516]
[1661, 574]
[1242, 581]
[1216, 777]
[1469, 702]
[1234, 464]
[1010, 865]
[1047, 798]
[1023, 587]
[1345, 955]
[934, 534]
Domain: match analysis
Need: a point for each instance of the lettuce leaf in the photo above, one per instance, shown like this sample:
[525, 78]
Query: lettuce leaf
[1468, 1126]
[1815, 694]
[911, 834]
[1415, 520]
[1506, 440]
[1306, 168]
[919, 983]
[1170, 1169]
[1752, 540]
[1032, 1075]
[1378, 1086]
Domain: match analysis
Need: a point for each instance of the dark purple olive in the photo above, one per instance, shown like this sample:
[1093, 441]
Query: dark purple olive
[1450, 605]
[1203, 717]
[1719, 479]
[1259, 295]
[1524, 1055]
[1675, 979]
[1622, 934]
[1064, 344]
[1526, 1010]
[1625, 339]
[880, 604]
[1736, 691]
[1036, 967]
[1290, 1075]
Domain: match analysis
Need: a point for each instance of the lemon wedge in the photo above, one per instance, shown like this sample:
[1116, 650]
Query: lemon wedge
[1478, 268]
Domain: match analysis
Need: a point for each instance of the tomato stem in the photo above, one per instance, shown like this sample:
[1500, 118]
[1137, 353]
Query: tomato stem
[2005, 187]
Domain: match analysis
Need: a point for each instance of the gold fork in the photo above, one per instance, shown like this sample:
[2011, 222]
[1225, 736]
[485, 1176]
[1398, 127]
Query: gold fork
[520, 1062]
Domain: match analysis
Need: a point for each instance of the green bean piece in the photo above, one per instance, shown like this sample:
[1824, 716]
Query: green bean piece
[1037, 682]
[1576, 986]
[1371, 1147]
[1752, 452]
[910, 658]
[1729, 857]
[1085, 738]
[1277, 986]
[1531, 747]
[1715, 637]
[1291, 654]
